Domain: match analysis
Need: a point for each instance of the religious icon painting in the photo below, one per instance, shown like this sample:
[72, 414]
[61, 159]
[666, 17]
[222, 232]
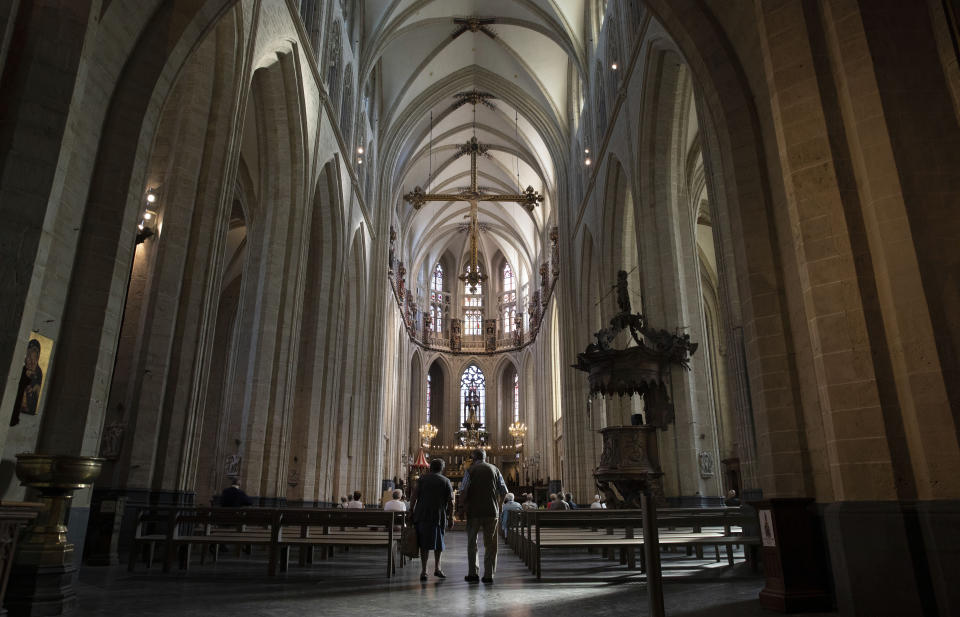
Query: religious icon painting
[36, 360]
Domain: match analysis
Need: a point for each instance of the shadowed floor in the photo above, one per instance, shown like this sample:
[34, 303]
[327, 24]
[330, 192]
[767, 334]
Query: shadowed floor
[574, 583]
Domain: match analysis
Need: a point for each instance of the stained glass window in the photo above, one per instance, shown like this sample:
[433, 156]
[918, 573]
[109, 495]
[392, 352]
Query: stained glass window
[509, 300]
[516, 397]
[472, 322]
[436, 299]
[473, 378]
[428, 398]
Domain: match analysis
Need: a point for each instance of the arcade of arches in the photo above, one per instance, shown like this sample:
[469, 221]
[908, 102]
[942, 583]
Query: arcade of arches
[209, 230]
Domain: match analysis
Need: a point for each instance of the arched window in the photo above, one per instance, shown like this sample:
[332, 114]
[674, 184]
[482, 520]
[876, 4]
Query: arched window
[516, 396]
[473, 378]
[428, 398]
[473, 307]
[334, 49]
[436, 298]
[508, 300]
[346, 106]
[437, 278]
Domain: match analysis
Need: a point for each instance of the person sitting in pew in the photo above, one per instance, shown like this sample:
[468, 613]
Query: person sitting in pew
[557, 502]
[355, 504]
[396, 504]
[597, 504]
[234, 497]
[529, 503]
[508, 505]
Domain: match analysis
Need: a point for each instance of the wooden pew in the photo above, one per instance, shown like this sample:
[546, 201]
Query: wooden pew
[276, 529]
[530, 532]
[154, 527]
[308, 529]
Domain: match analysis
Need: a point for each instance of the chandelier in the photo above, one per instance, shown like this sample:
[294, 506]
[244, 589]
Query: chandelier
[427, 433]
[517, 430]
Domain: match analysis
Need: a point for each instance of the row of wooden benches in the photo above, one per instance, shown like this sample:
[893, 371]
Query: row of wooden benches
[529, 532]
[176, 530]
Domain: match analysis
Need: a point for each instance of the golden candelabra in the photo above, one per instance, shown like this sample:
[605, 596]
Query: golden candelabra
[427, 433]
[517, 430]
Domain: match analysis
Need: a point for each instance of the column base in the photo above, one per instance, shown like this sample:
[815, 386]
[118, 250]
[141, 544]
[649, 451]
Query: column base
[915, 544]
[41, 591]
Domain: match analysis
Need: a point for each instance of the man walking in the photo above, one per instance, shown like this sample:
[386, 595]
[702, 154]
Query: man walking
[482, 489]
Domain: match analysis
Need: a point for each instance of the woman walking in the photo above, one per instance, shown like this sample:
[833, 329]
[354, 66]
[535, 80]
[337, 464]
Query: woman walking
[432, 512]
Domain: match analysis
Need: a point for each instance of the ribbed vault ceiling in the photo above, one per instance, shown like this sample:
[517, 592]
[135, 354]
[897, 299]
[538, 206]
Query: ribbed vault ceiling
[527, 65]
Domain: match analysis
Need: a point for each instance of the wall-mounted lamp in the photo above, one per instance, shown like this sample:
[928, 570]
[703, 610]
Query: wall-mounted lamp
[586, 150]
[148, 220]
[359, 161]
[587, 161]
[359, 149]
[614, 66]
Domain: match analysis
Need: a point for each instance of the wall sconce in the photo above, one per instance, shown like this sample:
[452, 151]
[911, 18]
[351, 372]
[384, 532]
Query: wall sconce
[614, 66]
[148, 220]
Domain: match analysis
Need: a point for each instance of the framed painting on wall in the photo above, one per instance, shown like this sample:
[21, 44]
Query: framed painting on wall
[32, 384]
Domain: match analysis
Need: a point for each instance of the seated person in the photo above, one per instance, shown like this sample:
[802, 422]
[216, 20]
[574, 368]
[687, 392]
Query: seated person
[508, 506]
[396, 504]
[557, 502]
[355, 503]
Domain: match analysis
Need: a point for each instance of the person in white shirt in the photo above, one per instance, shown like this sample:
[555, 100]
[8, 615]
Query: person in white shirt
[356, 504]
[396, 504]
[508, 505]
[529, 504]
[596, 505]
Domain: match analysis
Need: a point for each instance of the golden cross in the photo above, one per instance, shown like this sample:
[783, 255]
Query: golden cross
[529, 199]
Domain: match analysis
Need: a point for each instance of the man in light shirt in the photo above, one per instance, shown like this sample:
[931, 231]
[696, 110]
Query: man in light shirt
[597, 504]
[356, 504]
[508, 505]
[396, 504]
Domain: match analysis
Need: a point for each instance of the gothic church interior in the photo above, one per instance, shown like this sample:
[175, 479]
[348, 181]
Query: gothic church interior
[296, 242]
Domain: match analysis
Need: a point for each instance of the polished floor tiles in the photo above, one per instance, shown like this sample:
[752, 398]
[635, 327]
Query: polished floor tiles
[352, 584]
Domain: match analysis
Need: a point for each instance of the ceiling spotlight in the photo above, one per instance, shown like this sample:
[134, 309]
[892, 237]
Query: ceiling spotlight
[587, 161]
[614, 66]
[359, 149]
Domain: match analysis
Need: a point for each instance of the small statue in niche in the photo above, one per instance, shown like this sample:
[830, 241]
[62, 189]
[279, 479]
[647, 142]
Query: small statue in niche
[112, 440]
[393, 240]
[231, 467]
[705, 461]
[555, 250]
[401, 281]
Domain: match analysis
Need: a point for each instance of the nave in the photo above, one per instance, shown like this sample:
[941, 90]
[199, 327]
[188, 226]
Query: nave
[353, 584]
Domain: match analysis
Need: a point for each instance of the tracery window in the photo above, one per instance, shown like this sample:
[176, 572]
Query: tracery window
[508, 301]
[436, 299]
[428, 398]
[516, 397]
[473, 308]
[472, 322]
[473, 378]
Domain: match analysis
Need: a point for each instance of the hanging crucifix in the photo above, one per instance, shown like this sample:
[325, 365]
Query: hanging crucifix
[529, 199]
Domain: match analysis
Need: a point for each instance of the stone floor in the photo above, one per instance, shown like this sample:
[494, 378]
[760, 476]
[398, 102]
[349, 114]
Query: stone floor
[574, 583]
